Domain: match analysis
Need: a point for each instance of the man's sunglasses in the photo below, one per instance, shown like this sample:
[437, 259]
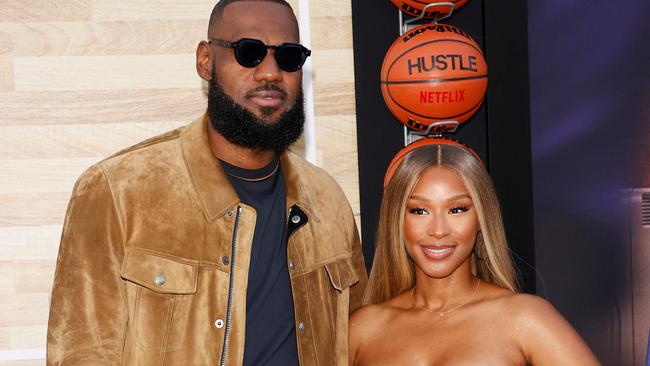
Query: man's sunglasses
[251, 52]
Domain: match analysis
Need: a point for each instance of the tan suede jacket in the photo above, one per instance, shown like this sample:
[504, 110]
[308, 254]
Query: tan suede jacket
[153, 262]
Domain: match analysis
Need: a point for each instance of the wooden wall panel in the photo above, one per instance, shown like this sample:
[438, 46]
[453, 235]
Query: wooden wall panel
[334, 102]
[24, 337]
[333, 66]
[337, 143]
[82, 79]
[332, 8]
[78, 140]
[5, 339]
[32, 308]
[334, 98]
[133, 10]
[105, 72]
[329, 32]
[29, 243]
[21, 176]
[44, 10]
[333, 79]
[21, 363]
[7, 280]
[34, 276]
[6, 74]
[101, 106]
[100, 38]
[32, 209]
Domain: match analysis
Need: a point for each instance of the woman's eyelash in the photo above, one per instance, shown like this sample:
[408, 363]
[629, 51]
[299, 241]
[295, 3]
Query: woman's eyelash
[458, 209]
[424, 211]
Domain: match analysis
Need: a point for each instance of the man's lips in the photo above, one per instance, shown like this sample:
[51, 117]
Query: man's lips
[267, 96]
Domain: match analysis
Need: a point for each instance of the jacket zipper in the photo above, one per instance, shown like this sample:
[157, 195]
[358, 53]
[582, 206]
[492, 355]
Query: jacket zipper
[291, 282]
[226, 338]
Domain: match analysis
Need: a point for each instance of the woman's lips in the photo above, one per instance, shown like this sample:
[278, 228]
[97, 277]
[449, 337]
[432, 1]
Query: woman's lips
[438, 251]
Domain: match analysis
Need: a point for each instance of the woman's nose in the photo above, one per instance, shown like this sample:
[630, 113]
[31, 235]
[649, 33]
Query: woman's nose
[438, 226]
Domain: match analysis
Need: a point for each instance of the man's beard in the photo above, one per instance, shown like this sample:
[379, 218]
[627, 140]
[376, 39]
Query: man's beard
[241, 127]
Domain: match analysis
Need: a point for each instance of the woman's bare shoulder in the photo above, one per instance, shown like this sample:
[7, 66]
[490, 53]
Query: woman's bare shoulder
[515, 303]
[368, 317]
[527, 307]
[369, 314]
[364, 325]
[522, 309]
[365, 313]
[545, 336]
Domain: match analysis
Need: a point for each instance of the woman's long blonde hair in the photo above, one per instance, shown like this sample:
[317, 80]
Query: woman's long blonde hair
[392, 269]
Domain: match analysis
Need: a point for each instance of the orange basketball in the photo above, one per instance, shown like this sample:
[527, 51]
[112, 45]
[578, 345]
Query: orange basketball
[433, 73]
[415, 7]
[399, 157]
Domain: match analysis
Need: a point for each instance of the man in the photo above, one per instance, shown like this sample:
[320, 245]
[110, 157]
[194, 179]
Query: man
[213, 244]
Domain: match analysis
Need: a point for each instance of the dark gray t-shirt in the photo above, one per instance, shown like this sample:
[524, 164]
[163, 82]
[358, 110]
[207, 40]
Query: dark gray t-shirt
[270, 322]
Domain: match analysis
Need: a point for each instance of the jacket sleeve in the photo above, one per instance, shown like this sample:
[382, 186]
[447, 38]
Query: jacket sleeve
[88, 306]
[357, 290]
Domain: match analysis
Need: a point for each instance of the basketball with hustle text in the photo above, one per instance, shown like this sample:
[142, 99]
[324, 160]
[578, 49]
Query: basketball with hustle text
[416, 7]
[433, 73]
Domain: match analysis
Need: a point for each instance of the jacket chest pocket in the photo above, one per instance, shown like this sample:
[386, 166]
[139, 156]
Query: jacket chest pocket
[341, 274]
[160, 292]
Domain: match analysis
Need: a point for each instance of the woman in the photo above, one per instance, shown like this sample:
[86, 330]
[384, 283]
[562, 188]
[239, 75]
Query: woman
[442, 289]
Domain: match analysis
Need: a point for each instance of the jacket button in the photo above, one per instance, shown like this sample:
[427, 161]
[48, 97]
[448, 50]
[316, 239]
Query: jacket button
[295, 219]
[301, 328]
[230, 214]
[160, 280]
[218, 323]
[225, 260]
[291, 265]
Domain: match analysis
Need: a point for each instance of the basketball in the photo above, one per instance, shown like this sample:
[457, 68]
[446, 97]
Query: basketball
[433, 73]
[416, 7]
[399, 157]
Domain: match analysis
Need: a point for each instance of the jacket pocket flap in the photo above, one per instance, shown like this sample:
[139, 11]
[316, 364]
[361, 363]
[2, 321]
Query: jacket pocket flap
[342, 273]
[159, 274]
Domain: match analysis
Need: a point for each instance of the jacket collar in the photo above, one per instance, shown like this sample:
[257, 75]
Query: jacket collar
[296, 173]
[214, 192]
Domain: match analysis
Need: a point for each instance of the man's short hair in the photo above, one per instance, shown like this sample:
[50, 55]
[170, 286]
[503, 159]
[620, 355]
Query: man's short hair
[221, 4]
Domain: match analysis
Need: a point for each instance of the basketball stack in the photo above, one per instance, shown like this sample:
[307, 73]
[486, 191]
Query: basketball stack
[434, 76]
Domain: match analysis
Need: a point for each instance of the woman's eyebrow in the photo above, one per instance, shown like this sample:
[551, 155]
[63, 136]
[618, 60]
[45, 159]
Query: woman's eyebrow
[459, 196]
[418, 197]
[452, 198]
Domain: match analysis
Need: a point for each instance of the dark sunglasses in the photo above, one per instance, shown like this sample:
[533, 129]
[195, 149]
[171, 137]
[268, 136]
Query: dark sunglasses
[251, 52]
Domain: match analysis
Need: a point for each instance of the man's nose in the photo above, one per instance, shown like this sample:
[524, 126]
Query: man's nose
[268, 70]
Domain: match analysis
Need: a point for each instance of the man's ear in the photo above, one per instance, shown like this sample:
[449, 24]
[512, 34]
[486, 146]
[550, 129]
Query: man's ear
[203, 61]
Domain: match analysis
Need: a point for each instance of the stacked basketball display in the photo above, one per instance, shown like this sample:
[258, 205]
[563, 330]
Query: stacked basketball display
[433, 74]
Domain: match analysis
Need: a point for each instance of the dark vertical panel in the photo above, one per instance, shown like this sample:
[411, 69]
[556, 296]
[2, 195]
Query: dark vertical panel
[506, 48]
[375, 26]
